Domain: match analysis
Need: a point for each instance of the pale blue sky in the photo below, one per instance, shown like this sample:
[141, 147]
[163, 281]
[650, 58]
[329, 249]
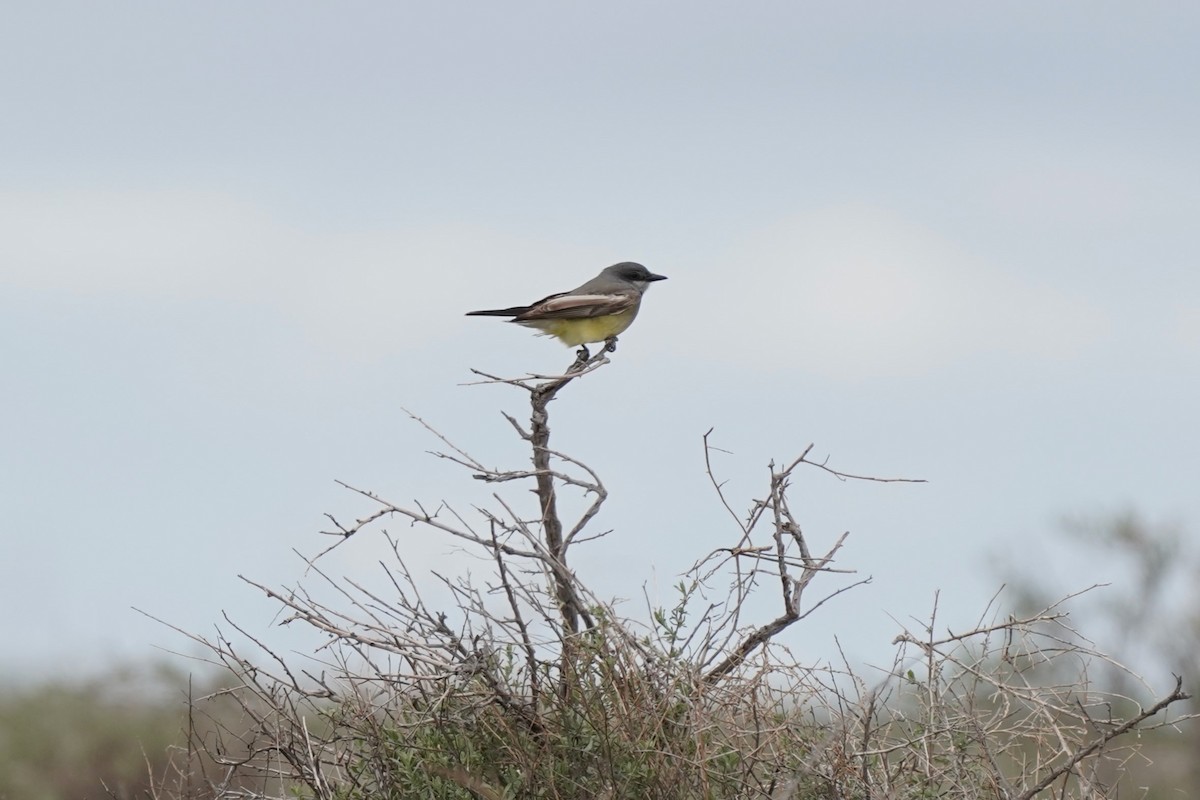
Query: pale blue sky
[950, 241]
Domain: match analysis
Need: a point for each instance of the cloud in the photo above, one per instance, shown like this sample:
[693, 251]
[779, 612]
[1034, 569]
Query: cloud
[369, 292]
[849, 292]
[855, 292]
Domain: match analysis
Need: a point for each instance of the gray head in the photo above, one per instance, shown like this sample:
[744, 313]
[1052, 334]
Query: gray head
[634, 273]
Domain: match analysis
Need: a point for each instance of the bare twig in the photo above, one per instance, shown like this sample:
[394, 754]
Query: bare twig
[1176, 695]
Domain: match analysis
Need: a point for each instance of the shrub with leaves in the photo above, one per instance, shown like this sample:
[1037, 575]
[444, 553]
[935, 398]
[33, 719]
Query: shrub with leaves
[528, 685]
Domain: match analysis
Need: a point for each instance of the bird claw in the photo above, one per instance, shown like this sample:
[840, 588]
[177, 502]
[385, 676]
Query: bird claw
[581, 357]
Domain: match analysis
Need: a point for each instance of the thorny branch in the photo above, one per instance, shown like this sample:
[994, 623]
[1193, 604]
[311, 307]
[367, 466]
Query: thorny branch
[1177, 694]
[543, 389]
[793, 563]
[551, 546]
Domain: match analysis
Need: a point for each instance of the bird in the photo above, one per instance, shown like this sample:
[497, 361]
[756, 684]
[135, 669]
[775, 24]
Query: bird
[597, 311]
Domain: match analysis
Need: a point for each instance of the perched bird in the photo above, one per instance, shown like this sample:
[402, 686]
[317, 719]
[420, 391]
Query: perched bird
[598, 311]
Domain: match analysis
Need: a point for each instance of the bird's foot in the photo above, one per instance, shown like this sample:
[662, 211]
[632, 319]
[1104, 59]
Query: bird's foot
[610, 344]
[581, 357]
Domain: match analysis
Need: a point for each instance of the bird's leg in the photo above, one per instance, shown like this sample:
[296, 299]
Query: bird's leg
[581, 357]
[610, 344]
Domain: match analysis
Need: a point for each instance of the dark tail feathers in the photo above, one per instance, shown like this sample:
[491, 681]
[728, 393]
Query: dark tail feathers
[499, 312]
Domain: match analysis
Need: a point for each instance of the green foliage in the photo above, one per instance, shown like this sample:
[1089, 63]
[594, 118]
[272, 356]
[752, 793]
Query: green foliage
[62, 741]
[618, 722]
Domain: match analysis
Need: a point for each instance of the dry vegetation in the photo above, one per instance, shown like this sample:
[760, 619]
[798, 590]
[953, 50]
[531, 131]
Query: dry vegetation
[530, 686]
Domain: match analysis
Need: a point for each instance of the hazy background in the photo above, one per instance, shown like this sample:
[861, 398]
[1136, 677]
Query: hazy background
[948, 241]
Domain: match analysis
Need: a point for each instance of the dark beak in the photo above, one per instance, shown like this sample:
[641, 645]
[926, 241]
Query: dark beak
[654, 277]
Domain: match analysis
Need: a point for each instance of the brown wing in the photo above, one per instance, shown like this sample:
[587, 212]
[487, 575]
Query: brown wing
[578, 306]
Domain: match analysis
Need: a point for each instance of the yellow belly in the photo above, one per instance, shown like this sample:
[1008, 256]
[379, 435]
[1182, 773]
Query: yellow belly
[574, 332]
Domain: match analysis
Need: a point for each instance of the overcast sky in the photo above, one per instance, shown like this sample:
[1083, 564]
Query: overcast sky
[948, 241]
